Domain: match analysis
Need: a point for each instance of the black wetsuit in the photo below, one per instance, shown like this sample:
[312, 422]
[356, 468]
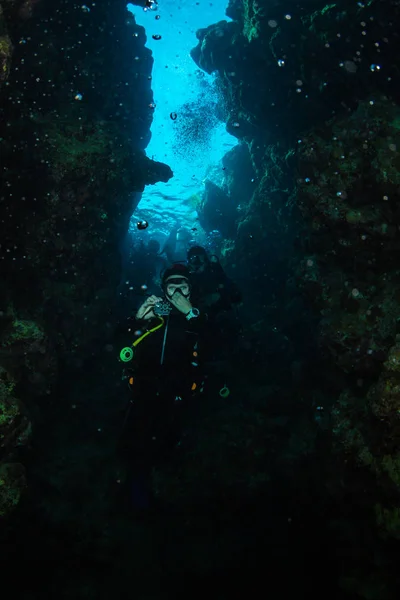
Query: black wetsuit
[166, 377]
[217, 292]
[218, 295]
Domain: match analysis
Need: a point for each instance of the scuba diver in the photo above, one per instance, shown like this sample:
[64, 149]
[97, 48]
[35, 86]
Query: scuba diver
[219, 297]
[164, 374]
[217, 291]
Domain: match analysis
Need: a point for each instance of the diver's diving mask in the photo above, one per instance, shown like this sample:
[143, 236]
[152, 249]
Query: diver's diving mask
[177, 284]
[197, 262]
[197, 259]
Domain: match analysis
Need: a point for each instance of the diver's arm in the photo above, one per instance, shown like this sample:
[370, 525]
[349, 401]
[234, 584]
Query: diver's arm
[234, 292]
[227, 289]
[195, 317]
[229, 293]
[181, 303]
[146, 310]
[197, 324]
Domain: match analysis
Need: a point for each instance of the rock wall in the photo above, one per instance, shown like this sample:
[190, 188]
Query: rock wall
[310, 88]
[76, 108]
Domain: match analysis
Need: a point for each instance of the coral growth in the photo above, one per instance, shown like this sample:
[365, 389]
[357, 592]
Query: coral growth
[12, 485]
[5, 56]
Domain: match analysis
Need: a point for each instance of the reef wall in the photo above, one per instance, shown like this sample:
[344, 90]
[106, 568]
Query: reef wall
[310, 89]
[76, 108]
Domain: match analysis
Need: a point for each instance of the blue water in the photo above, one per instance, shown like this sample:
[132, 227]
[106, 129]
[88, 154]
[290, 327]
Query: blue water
[176, 80]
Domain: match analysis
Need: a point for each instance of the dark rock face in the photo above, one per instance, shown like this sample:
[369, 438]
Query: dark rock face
[215, 46]
[239, 174]
[217, 211]
[310, 89]
[294, 66]
[69, 165]
[76, 108]
[351, 203]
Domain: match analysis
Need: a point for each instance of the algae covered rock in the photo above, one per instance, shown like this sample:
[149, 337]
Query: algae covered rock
[5, 55]
[12, 485]
[15, 427]
[26, 353]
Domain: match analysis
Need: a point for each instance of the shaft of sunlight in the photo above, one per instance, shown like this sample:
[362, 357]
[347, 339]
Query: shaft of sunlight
[186, 133]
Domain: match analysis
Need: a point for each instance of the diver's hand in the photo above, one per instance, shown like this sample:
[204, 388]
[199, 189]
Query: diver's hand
[181, 303]
[146, 310]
